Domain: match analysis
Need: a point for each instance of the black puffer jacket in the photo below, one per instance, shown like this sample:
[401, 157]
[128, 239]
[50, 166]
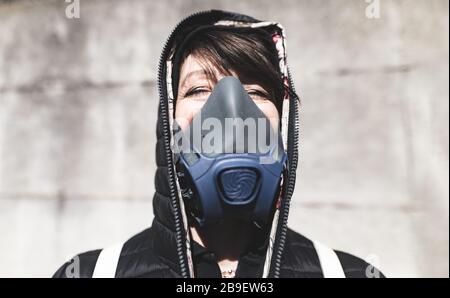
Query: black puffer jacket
[161, 250]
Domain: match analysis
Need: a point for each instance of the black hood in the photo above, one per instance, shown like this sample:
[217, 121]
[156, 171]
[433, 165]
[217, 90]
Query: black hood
[167, 203]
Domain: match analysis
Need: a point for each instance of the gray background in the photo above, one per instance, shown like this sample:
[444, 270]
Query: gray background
[78, 104]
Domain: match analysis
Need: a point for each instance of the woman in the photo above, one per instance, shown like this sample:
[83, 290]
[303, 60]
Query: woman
[222, 212]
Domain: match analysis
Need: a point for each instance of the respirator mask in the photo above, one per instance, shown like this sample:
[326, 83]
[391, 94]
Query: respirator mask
[229, 160]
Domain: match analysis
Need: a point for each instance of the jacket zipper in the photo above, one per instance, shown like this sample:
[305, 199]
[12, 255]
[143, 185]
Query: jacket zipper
[293, 161]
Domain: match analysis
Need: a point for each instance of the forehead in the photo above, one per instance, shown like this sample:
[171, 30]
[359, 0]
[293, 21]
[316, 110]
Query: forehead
[191, 67]
[195, 69]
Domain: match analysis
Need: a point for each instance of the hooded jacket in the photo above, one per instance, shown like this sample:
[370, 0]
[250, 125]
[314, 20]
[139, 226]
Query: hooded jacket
[164, 249]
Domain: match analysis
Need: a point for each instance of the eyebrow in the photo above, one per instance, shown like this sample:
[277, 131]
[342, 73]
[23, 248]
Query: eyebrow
[192, 73]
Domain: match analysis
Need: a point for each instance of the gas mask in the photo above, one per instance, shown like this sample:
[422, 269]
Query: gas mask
[229, 159]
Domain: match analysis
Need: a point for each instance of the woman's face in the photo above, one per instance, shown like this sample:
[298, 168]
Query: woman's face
[195, 86]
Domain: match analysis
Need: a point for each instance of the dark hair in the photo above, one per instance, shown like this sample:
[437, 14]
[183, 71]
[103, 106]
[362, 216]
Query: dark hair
[248, 52]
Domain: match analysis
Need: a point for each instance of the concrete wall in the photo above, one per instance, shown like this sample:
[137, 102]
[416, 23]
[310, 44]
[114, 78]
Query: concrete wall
[78, 106]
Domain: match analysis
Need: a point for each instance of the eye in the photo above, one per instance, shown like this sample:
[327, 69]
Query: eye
[197, 92]
[257, 95]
